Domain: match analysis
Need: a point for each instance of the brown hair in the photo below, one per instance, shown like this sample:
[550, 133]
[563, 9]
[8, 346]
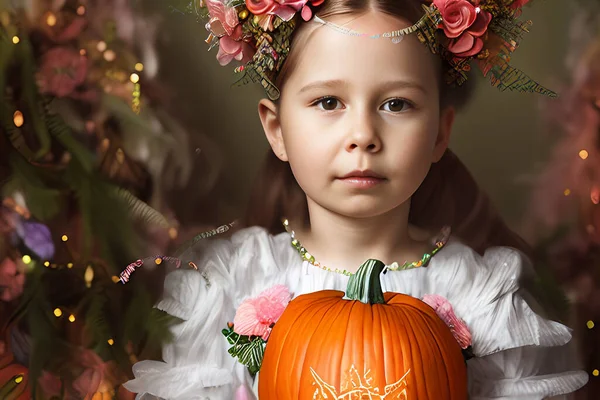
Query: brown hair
[448, 196]
[411, 10]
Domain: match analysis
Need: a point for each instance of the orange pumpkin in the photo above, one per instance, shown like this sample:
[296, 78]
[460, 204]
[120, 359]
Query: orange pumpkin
[365, 344]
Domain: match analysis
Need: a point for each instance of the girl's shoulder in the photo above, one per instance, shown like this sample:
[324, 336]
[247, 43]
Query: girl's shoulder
[237, 266]
[517, 351]
[486, 291]
[498, 265]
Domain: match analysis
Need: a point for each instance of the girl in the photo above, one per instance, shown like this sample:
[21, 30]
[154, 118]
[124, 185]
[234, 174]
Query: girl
[357, 114]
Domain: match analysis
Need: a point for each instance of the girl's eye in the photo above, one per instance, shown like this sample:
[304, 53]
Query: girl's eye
[327, 103]
[396, 105]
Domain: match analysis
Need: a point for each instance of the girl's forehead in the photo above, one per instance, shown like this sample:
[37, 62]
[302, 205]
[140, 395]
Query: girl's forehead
[328, 54]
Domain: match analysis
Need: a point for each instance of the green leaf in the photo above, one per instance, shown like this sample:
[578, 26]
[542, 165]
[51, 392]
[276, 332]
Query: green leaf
[158, 332]
[31, 97]
[140, 211]
[7, 108]
[31, 289]
[63, 134]
[48, 349]
[97, 323]
[137, 316]
[548, 291]
[83, 193]
[43, 202]
[250, 354]
[248, 350]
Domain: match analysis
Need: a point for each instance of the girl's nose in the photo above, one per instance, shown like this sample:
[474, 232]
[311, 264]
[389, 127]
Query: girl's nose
[363, 134]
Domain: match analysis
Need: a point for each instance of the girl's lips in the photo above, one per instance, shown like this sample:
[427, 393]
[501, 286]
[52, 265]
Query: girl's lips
[362, 182]
[363, 174]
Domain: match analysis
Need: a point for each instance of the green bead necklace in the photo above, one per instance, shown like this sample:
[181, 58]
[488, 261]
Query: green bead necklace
[438, 243]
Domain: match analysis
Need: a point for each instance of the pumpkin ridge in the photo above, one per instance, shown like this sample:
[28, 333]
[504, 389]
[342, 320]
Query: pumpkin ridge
[378, 346]
[430, 347]
[398, 333]
[434, 319]
[321, 335]
[316, 327]
[298, 324]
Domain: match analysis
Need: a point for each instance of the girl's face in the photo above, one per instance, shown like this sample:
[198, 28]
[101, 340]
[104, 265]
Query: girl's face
[359, 104]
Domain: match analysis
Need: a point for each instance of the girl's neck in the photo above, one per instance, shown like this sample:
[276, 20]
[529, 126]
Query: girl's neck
[344, 242]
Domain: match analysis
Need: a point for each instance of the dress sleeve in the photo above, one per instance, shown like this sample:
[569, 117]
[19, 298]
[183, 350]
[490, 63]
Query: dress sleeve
[196, 364]
[519, 354]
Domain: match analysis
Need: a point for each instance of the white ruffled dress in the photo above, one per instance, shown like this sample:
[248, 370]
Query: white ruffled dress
[518, 354]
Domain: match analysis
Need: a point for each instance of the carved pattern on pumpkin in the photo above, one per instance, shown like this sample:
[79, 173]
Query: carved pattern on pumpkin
[356, 387]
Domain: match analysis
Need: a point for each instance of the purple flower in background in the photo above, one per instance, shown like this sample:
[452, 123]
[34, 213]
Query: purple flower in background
[15, 226]
[37, 238]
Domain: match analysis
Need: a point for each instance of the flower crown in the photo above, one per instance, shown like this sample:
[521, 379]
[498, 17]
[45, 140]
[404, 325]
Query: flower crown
[257, 33]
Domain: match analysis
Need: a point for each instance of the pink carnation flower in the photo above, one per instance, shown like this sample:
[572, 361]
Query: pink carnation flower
[62, 71]
[256, 317]
[444, 310]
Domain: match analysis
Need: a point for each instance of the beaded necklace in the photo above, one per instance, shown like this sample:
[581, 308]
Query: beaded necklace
[438, 243]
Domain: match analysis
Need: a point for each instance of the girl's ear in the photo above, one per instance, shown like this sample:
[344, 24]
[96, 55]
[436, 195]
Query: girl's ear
[443, 138]
[269, 118]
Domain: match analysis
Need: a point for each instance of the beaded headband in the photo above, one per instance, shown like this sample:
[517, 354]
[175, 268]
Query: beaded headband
[257, 33]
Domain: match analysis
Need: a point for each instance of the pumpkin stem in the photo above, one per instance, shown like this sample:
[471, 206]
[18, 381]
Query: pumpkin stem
[365, 285]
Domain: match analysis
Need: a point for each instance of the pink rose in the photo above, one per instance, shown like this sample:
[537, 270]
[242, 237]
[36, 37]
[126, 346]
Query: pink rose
[62, 71]
[444, 310]
[284, 9]
[255, 317]
[457, 16]
[464, 24]
[11, 280]
[258, 7]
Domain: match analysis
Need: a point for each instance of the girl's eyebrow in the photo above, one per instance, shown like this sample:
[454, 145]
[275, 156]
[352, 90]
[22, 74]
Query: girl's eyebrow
[330, 84]
[404, 84]
[325, 84]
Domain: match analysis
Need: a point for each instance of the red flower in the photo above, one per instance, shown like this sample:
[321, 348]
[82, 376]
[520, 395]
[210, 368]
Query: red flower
[519, 4]
[464, 24]
[62, 70]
